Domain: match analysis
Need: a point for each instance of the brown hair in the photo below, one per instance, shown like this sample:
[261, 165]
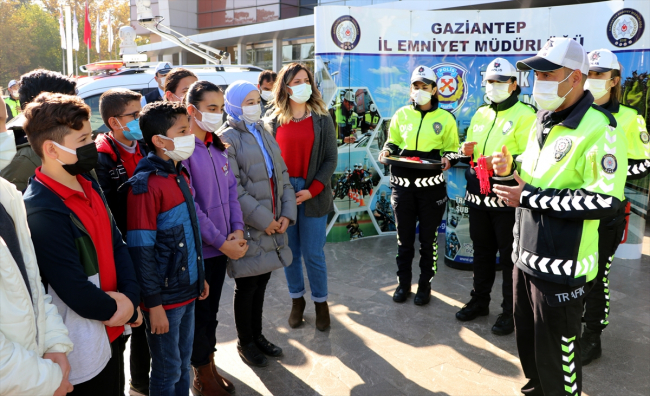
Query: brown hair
[280, 101]
[267, 75]
[113, 102]
[615, 90]
[174, 78]
[51, 117]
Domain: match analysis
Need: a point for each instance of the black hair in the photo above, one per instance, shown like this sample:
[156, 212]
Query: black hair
[41, 80]
[157, 118]
[174, 78]
[267, 75]
[195, 94]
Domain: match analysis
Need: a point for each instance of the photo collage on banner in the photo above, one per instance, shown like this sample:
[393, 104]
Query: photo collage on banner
[364, 59]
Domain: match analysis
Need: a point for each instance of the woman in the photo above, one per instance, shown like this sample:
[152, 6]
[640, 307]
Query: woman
[305, 132]
[423, 130]
[268, 203]
[222, 225]
[177, 83]
[604, 83]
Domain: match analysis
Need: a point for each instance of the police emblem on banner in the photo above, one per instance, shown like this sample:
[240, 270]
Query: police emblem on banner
[609, 163]
[625, 27]
[507, 127]
[645, 138]
[562, 147]
[437, 128]
[346, 32]
[452, 86]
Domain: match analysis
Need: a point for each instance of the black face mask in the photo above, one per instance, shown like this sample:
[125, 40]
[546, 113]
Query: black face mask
[86, 160]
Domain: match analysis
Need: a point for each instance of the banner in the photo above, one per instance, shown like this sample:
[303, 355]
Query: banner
[365, 56]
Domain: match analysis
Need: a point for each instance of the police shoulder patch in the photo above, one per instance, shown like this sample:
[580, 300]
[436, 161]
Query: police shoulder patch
[507, 127]
[609, 163]
[437, 128]
[562, 147]
[645, 138]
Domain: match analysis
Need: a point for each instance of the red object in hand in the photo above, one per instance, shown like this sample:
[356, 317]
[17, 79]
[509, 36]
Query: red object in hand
[484, 173]
[416, 159]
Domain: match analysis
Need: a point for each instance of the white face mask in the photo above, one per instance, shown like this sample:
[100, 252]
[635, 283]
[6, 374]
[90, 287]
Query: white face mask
[301, 93]
[421, 96]
[210, 122]
[161, 82]
[545, 94]
[251, 114]
[183, 147]
[597, 87]
[497, 92]
[266, 95]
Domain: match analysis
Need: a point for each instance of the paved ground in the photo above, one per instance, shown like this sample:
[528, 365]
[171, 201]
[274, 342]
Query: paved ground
[376, 347]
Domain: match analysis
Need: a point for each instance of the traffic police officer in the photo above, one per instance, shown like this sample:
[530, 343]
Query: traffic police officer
[420, 129]
[370, 118]
[347, 120]
[504, 122]
[572, 175]
[157, 94]
[604, 83]
[13, 104]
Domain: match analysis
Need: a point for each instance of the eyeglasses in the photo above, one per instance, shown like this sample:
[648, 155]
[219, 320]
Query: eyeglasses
[135, 115]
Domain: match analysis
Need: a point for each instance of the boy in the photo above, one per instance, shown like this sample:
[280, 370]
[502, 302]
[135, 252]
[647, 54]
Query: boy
[80, 252]
[165, 244]
[120, 150]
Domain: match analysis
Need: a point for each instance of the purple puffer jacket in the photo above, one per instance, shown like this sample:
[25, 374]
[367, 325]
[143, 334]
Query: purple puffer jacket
[217, 206]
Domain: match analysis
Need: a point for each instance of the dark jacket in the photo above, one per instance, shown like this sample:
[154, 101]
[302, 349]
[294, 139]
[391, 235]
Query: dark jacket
[153, 96]
[66, 254]
[22, 167]
[215, 194]
[322, 163]
[163, 233]
[111, 175]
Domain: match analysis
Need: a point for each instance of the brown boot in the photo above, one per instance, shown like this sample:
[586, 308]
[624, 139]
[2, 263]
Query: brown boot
[225, 384]
[205, 383]
[322, 316]
[295, 317]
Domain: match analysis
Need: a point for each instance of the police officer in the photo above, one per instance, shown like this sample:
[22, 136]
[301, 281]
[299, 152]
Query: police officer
[604, 83]
[347, 120]
[572, 175]
[370, 118]
[504, 122]
[12, 102]
[157, 94]
[423, 130]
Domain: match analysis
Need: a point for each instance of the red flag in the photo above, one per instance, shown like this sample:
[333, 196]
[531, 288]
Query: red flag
[87, 29]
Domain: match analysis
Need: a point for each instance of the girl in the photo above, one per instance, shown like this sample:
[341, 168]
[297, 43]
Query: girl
[177, 83]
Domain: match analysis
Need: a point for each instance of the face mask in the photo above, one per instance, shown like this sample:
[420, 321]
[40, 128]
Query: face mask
[421, 96]
[496, 92]
[177, 98]
[15, 94]
[161, 82]
[266, 95]
[598, 88]
[183, 147]
[301, 93]
[211, 121]
[134, 132]
[86, 158]
[545, 94]
[251, 114]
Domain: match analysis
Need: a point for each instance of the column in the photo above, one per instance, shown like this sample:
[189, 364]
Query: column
[241, 53]
[277, 54]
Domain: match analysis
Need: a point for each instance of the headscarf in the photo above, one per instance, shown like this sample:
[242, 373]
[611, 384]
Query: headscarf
[235, 95]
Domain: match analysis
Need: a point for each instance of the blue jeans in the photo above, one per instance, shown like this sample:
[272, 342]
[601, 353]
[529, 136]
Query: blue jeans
[170, 353]
[307, 240]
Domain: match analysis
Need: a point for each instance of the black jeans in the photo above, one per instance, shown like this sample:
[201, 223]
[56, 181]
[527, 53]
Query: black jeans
[140, 359]
[428, 207]
[491, 231]
[109, 381]
[205, 312]
[248, 304]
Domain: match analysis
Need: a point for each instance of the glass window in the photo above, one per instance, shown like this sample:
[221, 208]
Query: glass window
[245, 16]
[261, 57]
[268, 13]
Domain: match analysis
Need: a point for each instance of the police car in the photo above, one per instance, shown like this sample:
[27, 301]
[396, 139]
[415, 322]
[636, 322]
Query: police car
[115, 74]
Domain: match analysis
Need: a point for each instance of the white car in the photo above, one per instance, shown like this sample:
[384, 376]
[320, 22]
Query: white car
[141, 79]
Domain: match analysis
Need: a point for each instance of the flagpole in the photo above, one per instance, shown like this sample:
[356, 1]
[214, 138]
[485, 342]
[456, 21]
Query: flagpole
[68, 38]
[62, 61]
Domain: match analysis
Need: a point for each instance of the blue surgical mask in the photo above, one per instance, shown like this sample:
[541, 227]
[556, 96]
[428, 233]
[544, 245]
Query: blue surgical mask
[134, 132]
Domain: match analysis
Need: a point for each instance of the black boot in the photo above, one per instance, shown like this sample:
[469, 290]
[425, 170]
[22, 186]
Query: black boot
[266, 347]
[423, 296]
[504, 325]
[590, 345]
[251, 355]
[471, 311]
[401, 293]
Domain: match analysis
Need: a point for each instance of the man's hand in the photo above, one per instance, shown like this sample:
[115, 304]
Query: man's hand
[138, 319]
[234, 248]
[206, 291]
[62, 361]
[284, 224]
[382, 155]
[502, 162]
[124, 310]
[302, 196]
[273, 228]
[468, 148]
[239, 234]
[445, 164]
[158, 318]
[349, 139]
[510, 194]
